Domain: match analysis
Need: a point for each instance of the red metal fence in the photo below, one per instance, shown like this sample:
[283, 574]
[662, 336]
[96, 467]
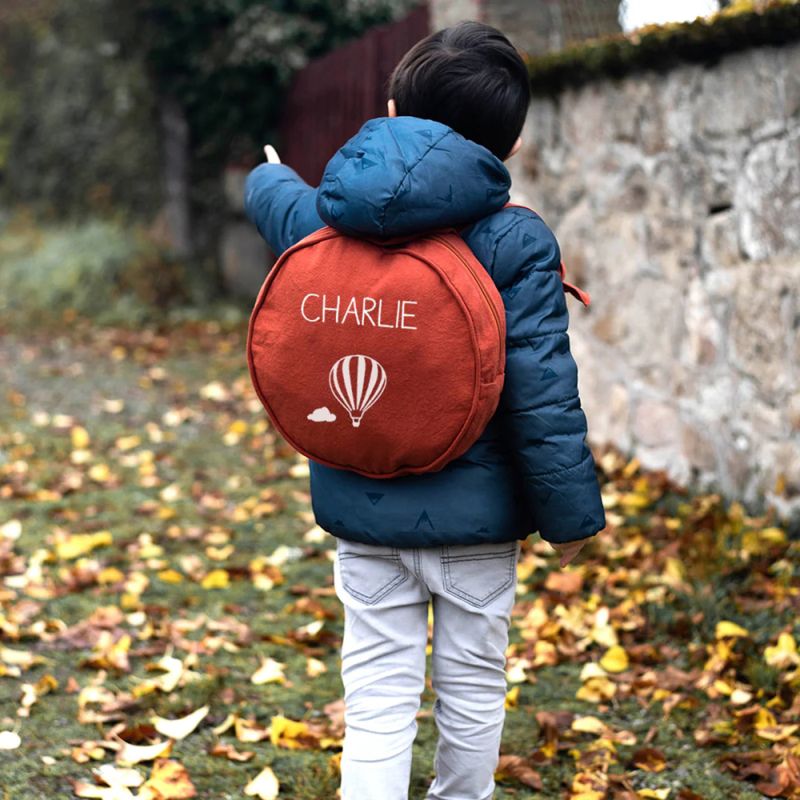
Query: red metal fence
[334, 95]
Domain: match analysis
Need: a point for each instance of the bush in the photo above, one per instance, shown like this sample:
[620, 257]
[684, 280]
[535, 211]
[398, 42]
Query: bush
[743, 25]
[98, 268]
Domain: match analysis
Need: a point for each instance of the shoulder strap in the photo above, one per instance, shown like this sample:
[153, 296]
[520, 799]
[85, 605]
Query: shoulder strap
[568, 287]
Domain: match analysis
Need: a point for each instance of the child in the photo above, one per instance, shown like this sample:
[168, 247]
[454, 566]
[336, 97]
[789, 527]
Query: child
[457, 104]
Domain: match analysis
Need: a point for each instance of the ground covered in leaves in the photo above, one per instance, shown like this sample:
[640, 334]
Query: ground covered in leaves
[169, 628]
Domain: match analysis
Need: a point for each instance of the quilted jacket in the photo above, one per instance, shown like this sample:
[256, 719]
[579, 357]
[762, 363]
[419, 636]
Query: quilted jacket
[531, 470]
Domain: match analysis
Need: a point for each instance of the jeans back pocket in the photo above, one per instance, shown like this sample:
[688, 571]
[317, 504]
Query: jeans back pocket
[478, 573]
[369, 572]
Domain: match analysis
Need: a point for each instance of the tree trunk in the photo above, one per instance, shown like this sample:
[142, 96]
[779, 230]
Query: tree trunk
[177, 221]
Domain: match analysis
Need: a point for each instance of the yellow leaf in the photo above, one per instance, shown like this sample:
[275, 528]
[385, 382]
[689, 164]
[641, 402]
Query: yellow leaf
[764, 719]
[300, 470]
[512, 698]
[170, 576]
[784, 653]
[315, 534]
[656, 794]
[264, 786]
[80, 544]
[227, 723]
[249, 730]
[315, 667]
[180, 728]
[80, 438]
[216, 579]
[118, 776]
[171, 493]
[19, 658]
[595, 690]
[109, 654]
[130, 754]
[112, 405]
[214, 391]
[776, 733]
[740, 696]
[99, 473]
[516, 673]
[168, 781]
[722, 687]
[773, 535]
[125, 443]
[92, 790]
[110, 575]
[284, 731]
[615, 660]
[173, 669]
[592, 670]
[730, 629]
[589, 725]
[270, 671]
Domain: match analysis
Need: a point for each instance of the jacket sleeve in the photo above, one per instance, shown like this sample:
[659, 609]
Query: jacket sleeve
[281, 205]
[541, 411]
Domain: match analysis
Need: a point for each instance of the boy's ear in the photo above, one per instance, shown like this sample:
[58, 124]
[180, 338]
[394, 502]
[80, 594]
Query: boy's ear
[514, 149]
[392, 107]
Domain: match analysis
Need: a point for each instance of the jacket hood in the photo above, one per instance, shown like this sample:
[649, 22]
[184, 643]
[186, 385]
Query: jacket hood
[405, 174]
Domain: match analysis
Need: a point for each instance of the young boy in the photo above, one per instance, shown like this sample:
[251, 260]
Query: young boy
[457, 104]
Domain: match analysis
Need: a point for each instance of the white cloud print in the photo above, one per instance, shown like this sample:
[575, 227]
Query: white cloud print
[322, 415]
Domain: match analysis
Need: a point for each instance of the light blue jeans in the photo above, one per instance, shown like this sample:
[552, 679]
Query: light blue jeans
[385, 591]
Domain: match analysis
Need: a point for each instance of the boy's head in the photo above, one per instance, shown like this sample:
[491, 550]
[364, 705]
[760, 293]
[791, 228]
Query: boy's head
[470, 77]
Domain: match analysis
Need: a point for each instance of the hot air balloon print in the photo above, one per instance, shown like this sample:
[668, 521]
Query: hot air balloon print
[357, 382]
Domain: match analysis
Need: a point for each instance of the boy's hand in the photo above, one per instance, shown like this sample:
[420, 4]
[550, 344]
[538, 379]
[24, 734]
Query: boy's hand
[568, 550]
[271, 154]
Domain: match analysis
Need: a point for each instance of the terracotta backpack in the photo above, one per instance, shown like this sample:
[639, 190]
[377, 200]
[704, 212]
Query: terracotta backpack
[381, 356]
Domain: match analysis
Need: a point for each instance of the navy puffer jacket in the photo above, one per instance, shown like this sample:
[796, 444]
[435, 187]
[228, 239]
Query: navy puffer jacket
[531, 470]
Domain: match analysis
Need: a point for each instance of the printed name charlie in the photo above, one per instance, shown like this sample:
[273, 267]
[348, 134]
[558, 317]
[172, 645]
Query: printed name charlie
[363, 310]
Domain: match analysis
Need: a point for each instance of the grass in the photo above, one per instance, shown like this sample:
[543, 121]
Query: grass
[213, 488]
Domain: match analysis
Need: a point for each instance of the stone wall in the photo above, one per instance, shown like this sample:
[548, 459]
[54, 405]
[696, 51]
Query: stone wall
[676, 200]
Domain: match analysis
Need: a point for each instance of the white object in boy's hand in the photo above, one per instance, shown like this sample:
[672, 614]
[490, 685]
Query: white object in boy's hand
[272, 154]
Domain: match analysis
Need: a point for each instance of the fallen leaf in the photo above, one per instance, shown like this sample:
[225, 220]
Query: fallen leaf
[216, 579]
[516, 768]
[130, 754]
[265, 785]
[74, 545]
[615, 660]
[9, 740]
[270, 671]
[230, 752]
[180, 728]
[169, 780]
[726, 629]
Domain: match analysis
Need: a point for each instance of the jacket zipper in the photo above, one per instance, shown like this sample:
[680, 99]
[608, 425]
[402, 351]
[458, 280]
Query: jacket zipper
[477, 280]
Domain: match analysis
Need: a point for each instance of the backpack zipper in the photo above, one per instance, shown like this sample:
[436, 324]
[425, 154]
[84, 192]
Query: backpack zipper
[477, 280]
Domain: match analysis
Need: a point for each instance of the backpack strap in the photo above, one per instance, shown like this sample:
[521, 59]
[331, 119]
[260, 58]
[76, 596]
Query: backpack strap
[568, 287]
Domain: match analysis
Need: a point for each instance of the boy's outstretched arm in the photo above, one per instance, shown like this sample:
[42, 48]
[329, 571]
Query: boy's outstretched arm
[281, 205]
[544, 421]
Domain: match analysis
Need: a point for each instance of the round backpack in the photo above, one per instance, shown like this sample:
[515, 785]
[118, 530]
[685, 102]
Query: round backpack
[381, 356]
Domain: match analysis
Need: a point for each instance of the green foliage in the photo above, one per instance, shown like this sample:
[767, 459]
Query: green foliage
[81, 84]
[95, 268]
[229, 62]
[662, 47]
[78, 131]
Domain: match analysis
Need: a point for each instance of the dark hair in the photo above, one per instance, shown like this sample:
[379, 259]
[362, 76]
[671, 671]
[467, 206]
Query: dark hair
[470, 77]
